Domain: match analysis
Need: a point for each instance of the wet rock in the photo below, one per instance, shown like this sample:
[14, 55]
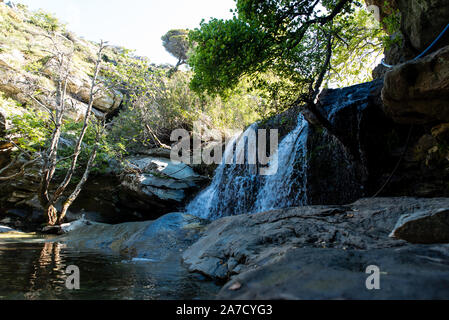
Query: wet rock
[72, 226]
[410, 272]
[322, 252]
[424, 226]
[340, 173]
[263, 238]
[158, 239]
[5, 229]
[55, 230]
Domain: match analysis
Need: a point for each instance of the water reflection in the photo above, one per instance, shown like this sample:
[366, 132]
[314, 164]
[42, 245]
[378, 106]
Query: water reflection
[35, 269]
[49, 264]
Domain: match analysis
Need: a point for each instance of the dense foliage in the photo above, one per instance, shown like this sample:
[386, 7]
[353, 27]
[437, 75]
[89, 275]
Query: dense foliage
[163, 101]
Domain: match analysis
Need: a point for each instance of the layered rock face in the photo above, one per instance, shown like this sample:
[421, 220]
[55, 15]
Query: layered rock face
[417, 92]
[158, 184]
[322, 252]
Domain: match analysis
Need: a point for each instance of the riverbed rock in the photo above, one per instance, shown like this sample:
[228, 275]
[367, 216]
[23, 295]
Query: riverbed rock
[318, 251]
[411, 272]
[153, 240]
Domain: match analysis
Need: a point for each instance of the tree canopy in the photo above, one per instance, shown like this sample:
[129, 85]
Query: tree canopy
[176, 42]
[302, 44]
[294, 40]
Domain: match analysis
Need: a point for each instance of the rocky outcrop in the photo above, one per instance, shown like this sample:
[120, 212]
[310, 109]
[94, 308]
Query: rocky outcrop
[421, 22]
[158, 184]
[322, 252]
[146, 188]
[417, 92]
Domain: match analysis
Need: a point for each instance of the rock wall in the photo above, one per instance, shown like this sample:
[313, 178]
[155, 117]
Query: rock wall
[421, 22]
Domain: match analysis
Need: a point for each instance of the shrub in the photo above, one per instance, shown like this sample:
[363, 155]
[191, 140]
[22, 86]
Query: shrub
[46, 21]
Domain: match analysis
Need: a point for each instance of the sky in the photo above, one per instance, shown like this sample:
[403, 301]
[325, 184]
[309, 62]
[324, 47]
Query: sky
[133, 24]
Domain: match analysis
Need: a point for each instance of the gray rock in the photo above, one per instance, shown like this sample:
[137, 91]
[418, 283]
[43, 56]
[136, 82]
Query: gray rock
[159, 180]
[159, 239]
[415, 92]
[321, 252]
[423, 226]
[410, 272]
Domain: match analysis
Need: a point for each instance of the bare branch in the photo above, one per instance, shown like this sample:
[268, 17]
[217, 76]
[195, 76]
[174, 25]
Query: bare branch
[21, 171]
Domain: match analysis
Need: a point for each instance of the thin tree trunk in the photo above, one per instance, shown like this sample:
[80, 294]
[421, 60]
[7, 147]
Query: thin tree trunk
[79, 186]
[62, 187]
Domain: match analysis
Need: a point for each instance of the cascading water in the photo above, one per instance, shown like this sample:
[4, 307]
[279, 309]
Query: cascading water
[286, 187]
[238, 188]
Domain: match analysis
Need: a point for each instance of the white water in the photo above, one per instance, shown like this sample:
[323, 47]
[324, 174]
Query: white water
[238, 188]
[287, 187]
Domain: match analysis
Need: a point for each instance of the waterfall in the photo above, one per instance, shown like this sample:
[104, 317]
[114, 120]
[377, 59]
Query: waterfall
[287, 187]
[238, 188]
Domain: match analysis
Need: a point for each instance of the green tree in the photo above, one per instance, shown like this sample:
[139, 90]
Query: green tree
[294, 40]
[176, 42]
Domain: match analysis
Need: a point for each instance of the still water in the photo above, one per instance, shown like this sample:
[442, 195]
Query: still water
[34, 268]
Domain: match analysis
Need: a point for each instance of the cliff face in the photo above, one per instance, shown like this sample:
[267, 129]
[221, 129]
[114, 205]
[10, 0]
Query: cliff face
[421, 22]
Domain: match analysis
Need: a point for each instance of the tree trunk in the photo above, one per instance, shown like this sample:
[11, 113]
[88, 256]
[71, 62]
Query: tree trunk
[52, 215]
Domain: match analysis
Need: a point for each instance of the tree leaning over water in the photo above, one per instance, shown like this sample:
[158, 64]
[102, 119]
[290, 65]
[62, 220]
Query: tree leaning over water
[299, 42]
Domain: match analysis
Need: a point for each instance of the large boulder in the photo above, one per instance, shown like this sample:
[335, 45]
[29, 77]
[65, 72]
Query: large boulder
[417, 92]
[106, 101]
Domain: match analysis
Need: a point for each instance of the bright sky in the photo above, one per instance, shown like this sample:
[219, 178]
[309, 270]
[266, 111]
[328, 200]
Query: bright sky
[133, 24]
